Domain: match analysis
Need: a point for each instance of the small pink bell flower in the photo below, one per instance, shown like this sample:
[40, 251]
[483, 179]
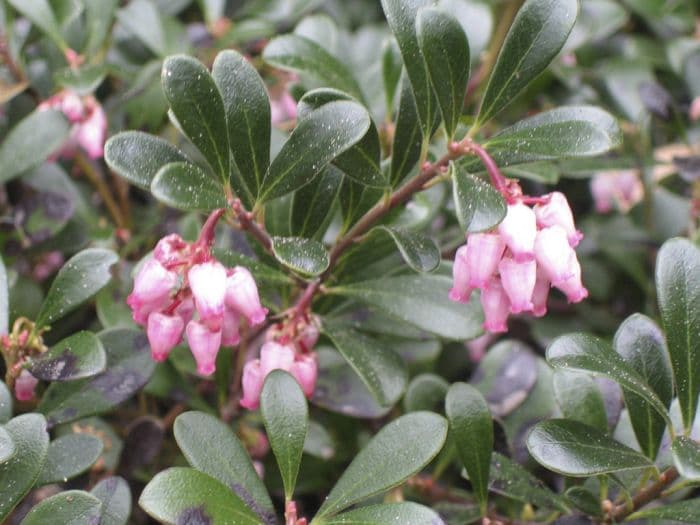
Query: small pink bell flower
[242, 296]
[164, 333]
[252, 383]
[483, 255]
[518, 281]
[204, 345]
[305, 371]
[230, 335]
[518, 230]
[92, 131]
[622, 189]
[25, 385]
[152, 288]
[283, 108]
[572, 287]
[496, 307]
[461, 290]
[170, 249]
[554, 254]
[557, 212]
[540, 294]
[208, 284]
[274, 356]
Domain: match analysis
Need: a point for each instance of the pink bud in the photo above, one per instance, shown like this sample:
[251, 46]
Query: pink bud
[554, 254]
[483, 254]
[572, 287]
[309, 335]
[557, 212]
[242, 296]
[305, 371]
[540, 294]
[208, 285]
[252, 383]
[275, 356]
[92, 131]
[72, 106]
[25, 385]
[518, 281]
[496, 307]
[164, 332]
[229, 330]
[170, 249]
[204, 345]
[519, 229]
[461, 291]
[152, 287]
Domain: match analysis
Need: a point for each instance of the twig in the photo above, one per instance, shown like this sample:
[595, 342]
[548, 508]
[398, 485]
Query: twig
[644, 496]
[249, 224]
[97, 180]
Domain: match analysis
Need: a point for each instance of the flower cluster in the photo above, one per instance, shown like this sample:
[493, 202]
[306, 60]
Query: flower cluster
[89, 122]
[620, 189]
[15, 347]
[182, 289]
[515, 266]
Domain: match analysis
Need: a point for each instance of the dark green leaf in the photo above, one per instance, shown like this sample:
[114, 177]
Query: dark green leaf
[580, 399]
[445, 50]
[138, 156]
[471, 429]
[80, 278]
[247, 115]
[196, 102]
[305, 256]
[387, 514]
[99, 15]
[478, 205]
[228, 462]
[18, 474]
[4, 300]
[408, 140]
[398, 451]
[687, 511]
[187, 187]
[678, 290]
[355, 200]
[380, 369]
[145, 20]
[31, 142]
[313, 203]
[83, 81]
[641, 344]
[317, 139]
[286, 417]
[584, 500]
[40, 13]
[392, 64]
[75, 357]
[115, 495]
[71, 507]
[575, 449]
[69, 456]
[425, 392]
[686, 456]
[419, 251]
[5, 403]
[7, 446]
[300, 54]
[537, 34]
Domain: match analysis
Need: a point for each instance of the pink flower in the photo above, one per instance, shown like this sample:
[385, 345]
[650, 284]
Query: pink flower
[252, 383]
[540, 295]
[305, 371]
[230, 335]
[309, 335]
[518, 281]
[518, 230]
[25, 385]
[164, 332]
[92, 131]
[170, 249]
[283, 108]
[558, 213]
[496, 307]
[483, 254]
[622, 189]
[242, 296]
[461, 290]
[152, 288]
[208, 284]
[554, 254]
[204, 345]
[274, 356]
[572, 287]
[72, 106]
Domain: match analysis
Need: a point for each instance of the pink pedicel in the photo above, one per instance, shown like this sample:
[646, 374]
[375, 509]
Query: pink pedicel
[518, 281]
[164, 333]
[484, 252]
[242, 296]
[461, 290]
[204, 345]
[496, 307]
[518, 230]
[557, 212]
[25, 385]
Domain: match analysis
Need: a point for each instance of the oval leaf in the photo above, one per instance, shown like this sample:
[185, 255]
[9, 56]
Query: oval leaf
[186, 186]
[71, 507]
[69, 456]
[686, 456]
[115, 495]
[687, 511]
[40, 13]
[313, 203]
[302, 255]
[388, 514]
[75, 357]
[185, 495]
[7, 446]
[575, 449]
[408, 139]
[80, 278]
[418, 251]
[398, 451]
[425, 392]
[537, 34]
[478, 205]
[5, 403]
[580, 399]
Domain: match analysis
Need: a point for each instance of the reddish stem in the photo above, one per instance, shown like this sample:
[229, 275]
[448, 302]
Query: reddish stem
[497, 178]
[206, 236]
[248, 223]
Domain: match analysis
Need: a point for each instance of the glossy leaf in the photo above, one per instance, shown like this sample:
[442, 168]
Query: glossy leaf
[392, 64]
[144, 20]
[228, 462]
[575, 449]
[387, 514]
[286, 417]
[115, 495]
[418, 251]
[445, 50]
[5, 403]
[478, 205]
[185, 495]
[196, 102]
[75, 357]
[31, 142]
[471, 430]
[398, 451]
[641, 344]
[99, 15]
[138, 156]
[425, 392]
[687, 511]
[83, 81]
[538, 32]
[313, 203]
[305, 256]
[408, 138]
[580, 399]
[316, 140]
[40, 13]
[678, 291]
[18, 474]
[71, 507]
[247, 115]
[381, 370]
[186, 186]
[80, 278]
[7, 446]
[68, 456]
[4, 300]
[686, 456]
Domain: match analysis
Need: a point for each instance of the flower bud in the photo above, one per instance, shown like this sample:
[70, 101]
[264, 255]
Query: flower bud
[518, 281]
[305, 371]
[164, 332]
[484, 251]
[518, 230]
[496, 307]
[252, 383]
[204, 345]
[152, 288]
[242, 296]
[461, 290]
[25, 385]
[208, 284]
[554, 254]
[558, 212]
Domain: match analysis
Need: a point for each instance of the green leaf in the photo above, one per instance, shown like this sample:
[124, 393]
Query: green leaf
[138, 156]
[537, 34]
[576, 449]
[18, 474]
[247, 115]
[387, 514]
[70, 507]
[316, 140]
[196, 102]
[261, 271]
[313, 203]
[213, 10]
[398, 451]
[286, 417]
[40, 13]
[5, 403]
[356, 200]
[445, 50]
[418, 251]
[129, 367]
[99, 15]
[478, 205]
[185, 495]
[686, 457]
[4, 300]
[392, 64]
[186, 186]
[82, 81]
[687, 511]
[115, 495]
[75, 357]
[228, 462]
[7, 446]
[580, 399]
[408, 139]
[420, 300]
[381, 370]
[147, 21]
[641, 344]
[678, 291]
[425, 392]
[77, 281]
[305, 256]
[30, 142]
[68, 456]
[586, 352]
[471, 429]
[302, 55]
